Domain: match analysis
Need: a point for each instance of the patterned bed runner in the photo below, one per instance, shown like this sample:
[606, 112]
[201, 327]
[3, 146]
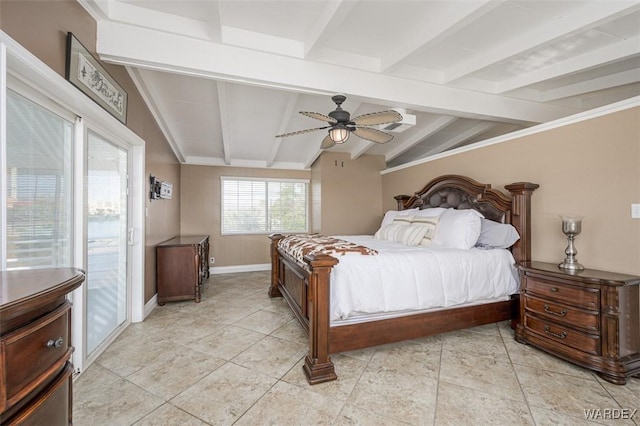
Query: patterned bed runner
[299, 246]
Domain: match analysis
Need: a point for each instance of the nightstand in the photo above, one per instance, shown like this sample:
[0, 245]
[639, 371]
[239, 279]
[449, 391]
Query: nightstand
[590, 318]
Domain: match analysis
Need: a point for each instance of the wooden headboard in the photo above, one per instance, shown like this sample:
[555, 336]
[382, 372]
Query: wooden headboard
[460, 192]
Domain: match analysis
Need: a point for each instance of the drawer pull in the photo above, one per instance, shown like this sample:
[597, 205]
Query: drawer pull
[558, 314]
[559, 336]
[554, 289]
[55, 344]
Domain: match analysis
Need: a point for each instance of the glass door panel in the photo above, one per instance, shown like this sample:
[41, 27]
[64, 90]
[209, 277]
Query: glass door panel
[107, 275]
[38, 186]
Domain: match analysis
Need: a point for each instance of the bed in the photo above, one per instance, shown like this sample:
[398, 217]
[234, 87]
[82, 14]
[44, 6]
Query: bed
[305, 283]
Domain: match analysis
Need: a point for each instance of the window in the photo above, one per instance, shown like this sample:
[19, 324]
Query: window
[254, 206]
[39, 186]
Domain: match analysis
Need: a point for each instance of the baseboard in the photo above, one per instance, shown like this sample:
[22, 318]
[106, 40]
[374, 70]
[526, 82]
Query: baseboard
[239, 268]
[153, 302]
[150, 306]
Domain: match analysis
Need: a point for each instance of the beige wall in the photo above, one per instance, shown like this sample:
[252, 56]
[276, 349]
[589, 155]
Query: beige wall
[41, 27]
[200, 212]
[591, 168]
[346, 194]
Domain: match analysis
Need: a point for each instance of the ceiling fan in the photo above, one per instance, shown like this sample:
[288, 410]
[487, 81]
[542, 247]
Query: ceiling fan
[341, 125]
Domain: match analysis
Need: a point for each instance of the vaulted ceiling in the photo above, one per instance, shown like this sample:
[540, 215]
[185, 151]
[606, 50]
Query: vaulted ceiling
[223, 77]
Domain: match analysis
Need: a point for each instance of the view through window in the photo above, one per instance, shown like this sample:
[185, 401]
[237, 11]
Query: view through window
[252, 206]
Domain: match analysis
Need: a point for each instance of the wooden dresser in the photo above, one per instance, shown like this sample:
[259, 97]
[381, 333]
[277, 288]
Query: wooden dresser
[589, 317]
[182, 265]
[35, 346]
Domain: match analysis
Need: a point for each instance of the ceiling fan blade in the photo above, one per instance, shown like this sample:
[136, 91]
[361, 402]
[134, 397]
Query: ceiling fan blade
[382, 117]
[319, 116]
[372, 135]
[327, 143]
[299, 132]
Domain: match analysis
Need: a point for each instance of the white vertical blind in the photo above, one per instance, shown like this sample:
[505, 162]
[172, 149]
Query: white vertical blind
[253, 206]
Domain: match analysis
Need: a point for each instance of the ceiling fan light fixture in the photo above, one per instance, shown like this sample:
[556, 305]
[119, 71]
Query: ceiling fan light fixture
[339, 134]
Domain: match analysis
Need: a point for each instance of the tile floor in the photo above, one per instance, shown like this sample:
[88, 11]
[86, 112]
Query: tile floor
[235, 358]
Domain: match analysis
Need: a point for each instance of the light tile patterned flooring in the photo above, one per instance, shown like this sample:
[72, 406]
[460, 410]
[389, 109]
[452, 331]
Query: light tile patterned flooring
[235, 358]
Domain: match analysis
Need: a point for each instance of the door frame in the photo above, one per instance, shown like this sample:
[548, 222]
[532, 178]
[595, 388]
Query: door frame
[20, 67]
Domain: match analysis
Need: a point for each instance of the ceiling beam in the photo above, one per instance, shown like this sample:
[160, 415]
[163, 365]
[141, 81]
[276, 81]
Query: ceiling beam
[287, 114]
[145, 17]
[590, 16]
[224, 121]
[254, 164]
[601, 83]
[98, 10]
[264, 42]
[434, 127]
[331, 18]
[214, 21]
[359, 148]
[312, 158]
[600, 57]
[148, 96]
[458, 139]
[457, 15]
[135, 46]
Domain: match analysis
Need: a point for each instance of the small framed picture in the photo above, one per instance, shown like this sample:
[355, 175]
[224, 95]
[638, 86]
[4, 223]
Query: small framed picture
[86, 73]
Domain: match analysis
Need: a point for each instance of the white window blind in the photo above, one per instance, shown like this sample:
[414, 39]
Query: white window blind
[39, 186]
[253, 206]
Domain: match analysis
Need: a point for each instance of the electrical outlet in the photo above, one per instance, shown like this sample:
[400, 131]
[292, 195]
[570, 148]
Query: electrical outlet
[212, 260]
[635, 211]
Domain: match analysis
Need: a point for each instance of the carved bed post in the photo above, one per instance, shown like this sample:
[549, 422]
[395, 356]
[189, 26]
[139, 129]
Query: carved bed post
[274, 291]
[521, 218]
[318, 366]
[401, 199]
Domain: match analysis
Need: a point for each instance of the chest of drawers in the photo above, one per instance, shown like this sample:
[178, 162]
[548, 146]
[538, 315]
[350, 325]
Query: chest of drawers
[35, 346]
[590, 317]
[182, 266]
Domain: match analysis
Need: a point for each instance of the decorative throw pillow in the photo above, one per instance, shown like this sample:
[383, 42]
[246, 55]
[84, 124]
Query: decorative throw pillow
[496, 235]
[392, 214]
[430, 224]
[401, 231]
[458, 229]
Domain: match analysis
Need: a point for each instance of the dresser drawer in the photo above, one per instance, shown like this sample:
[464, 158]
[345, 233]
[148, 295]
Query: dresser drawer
[52, 406]
[35, 353]
[564, 314]
[587, 298]
[584, 342]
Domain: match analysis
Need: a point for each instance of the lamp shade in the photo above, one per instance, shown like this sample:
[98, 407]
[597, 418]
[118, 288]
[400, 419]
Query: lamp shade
[339, 134]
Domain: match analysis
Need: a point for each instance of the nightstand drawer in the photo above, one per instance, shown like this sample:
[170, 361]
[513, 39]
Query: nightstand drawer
[564, 314]
[564, 335]
[584, 297]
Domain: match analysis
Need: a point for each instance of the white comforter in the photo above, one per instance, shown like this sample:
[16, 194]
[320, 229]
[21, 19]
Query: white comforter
[403, 278]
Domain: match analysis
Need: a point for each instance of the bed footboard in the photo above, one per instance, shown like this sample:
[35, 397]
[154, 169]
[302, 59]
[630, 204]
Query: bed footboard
[306, 291]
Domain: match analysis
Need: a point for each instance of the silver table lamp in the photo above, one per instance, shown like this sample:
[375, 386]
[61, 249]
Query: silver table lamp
[571, 226]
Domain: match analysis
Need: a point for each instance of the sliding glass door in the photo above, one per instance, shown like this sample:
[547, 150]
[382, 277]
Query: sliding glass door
[107, 243]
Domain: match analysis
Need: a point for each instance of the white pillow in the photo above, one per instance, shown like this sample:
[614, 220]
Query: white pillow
[392, 214]
[496, 235]
[430, 212]
[457, 229]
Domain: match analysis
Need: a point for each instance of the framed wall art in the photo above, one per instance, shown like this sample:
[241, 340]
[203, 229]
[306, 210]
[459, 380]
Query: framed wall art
[86, 73]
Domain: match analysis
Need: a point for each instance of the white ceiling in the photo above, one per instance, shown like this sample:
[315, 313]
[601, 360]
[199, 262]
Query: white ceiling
[224, 77]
